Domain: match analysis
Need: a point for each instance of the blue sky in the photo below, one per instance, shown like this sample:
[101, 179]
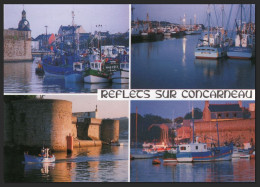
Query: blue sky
[114, 18]
[173, 109]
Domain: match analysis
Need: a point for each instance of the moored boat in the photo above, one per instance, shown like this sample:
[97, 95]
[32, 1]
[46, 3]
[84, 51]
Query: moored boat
[211, 45]
[96, 73]
[121, 76]
[43, 157]
[76, 75]
[199, 152]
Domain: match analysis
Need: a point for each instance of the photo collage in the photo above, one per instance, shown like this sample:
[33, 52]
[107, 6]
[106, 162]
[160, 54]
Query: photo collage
[179, 83]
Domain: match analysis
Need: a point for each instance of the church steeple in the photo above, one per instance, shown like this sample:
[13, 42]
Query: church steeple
[24, 24]
[23, 14]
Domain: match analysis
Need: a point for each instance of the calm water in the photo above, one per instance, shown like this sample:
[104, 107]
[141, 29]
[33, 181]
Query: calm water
[20, 77]
[237, 170]
[171, 64]
[93, 164]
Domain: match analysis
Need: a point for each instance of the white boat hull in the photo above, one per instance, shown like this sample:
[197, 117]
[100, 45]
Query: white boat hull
[184, 159]
[95, 79]
[120, 77]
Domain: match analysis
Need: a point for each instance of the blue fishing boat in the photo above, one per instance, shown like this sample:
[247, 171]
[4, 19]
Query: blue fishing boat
[76, 75]
[59, 64]
[42, 158]
[198, 152]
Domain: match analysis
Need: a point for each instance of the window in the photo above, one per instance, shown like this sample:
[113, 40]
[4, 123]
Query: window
[92, 65]
[235, 115]
[96, 65]
[219, 115]
[205, 147]
[197, 147]
[227, 115]
[183, 148]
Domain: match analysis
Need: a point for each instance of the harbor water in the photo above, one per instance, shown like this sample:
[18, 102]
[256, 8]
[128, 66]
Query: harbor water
[20, 77]
[171, 64]
[93, 164]
[237, 170]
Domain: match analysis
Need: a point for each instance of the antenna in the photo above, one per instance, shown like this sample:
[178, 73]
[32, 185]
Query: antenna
[73, 16]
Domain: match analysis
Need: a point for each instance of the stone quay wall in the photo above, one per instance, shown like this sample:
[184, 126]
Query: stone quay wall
[109, 130]
[41, 121]
[17, 45]
[238, 131]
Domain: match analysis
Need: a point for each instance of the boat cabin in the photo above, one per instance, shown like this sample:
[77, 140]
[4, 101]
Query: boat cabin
[124, 66]
[193, 147]
[96, 65]
[77, 66]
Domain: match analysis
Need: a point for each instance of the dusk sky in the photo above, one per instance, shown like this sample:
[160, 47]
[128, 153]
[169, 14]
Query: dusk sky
[113, 18]
[174, 12]
[173, 109]
[87, 103]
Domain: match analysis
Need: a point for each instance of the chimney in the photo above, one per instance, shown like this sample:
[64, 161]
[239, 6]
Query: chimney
[240, 104]
[206, 104]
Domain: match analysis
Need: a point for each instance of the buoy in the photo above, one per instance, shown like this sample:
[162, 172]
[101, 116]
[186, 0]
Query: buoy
[69, 143]
[156, 161]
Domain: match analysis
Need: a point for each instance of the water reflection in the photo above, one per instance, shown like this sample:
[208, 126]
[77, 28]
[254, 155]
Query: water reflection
[223, 171]
[171, 64]
[20, 77]
[184, 51]
[97, 164]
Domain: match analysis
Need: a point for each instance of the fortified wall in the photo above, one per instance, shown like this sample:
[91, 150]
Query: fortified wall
[110, 130]
[238, 131]
[17, 45]
[38, 122]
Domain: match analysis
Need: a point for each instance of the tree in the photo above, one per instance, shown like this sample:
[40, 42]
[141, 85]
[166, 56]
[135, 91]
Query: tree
[178, 120]
[197, 114]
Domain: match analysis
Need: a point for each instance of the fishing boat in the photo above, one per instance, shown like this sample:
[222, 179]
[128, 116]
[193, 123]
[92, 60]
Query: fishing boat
[236, 153]
[76, 75]
[210, 46]
[245, 156]
[147, 145]
[196, 152]
[121, 76]
[96, 73]
[43, 157]
[244, 47]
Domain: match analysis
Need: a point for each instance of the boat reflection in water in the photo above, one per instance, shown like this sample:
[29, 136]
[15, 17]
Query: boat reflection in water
[209, 66]
[94, 87]
[44, 168]
[91, 164]
[237, 170]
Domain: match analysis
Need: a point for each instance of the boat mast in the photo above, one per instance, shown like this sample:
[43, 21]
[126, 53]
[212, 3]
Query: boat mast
[222, 9]
[136, 128]
[241, 26]
[208, 23]
[192, 118]
[250, 24]
[217, 128]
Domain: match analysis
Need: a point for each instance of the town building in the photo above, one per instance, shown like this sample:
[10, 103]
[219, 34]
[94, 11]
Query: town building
[17, 42]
